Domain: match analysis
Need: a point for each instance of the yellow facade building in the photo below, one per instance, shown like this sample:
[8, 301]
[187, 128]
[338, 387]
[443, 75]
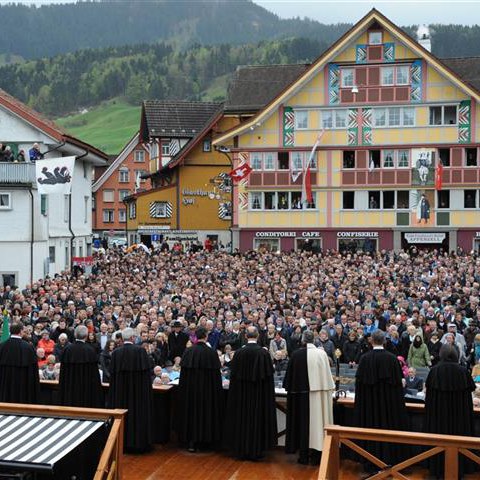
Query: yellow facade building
[190, 199]
[398, 160]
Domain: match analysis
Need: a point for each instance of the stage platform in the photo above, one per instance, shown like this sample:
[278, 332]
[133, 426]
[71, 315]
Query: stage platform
[169, 463]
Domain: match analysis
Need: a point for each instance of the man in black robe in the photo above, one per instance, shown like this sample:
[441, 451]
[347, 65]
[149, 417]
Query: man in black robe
[79, 381]
[19, 379]
[309, 386]
[448, 403]
[131, 388]
[379, 400]
[200, 394]
[251, 421]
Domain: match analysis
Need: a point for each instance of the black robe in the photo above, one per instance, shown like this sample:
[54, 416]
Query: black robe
[251, 419]
[79, 381]
[379, 401]
[131, 388]
[19, 379]
[448, 406]
[200, 396]
[298, 404]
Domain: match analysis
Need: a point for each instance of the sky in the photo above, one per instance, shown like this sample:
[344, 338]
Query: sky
[401, 12]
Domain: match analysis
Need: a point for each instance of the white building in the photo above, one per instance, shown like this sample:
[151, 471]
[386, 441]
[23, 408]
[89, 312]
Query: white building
[38, 236]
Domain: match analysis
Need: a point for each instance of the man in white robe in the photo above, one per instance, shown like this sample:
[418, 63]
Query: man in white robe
[309, 384]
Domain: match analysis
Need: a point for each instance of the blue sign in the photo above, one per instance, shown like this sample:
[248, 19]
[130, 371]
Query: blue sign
[155, 238]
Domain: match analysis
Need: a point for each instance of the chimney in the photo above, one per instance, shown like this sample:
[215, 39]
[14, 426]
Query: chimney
[423, 37]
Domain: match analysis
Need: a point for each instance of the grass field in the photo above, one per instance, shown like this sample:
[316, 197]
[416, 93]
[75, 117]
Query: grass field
[112, 124]
[108, 127]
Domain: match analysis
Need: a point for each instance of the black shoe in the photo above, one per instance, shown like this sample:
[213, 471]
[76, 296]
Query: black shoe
[302, 460]
[191, 447]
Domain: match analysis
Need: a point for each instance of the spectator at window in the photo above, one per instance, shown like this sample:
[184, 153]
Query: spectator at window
[20, 156]
[8, 154]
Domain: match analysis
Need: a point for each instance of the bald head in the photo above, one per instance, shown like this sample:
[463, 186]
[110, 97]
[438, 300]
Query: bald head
[252, 333]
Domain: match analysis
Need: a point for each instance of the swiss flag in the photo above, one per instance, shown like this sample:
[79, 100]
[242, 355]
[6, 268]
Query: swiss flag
[439, 176]
[240, 172]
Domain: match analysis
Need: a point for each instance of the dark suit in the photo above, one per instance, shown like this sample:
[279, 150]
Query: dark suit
[177, 343]
[415, 383]
[99, 339]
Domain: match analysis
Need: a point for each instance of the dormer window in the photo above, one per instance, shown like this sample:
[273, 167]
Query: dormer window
[375, 38]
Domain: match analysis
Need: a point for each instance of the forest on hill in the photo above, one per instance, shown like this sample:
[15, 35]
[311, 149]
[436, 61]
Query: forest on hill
[30, 32]
[65, 83]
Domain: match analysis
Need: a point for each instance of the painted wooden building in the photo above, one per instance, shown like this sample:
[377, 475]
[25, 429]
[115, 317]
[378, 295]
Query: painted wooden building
[391, 112]
[190, 198]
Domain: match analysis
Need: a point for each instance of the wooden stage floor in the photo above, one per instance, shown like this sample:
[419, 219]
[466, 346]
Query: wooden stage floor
[170, 463]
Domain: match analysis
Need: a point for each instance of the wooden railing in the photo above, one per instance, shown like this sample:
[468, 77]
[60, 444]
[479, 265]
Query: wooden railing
[452, 445]
[110, 464]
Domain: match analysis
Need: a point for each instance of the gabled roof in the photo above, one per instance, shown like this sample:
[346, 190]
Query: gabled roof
[374, 16]
[467, 68]
[117, 162]
[175, 119]
[253, 86]
[42, 123]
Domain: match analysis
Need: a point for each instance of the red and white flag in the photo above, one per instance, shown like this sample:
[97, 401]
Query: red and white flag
[240, 172]
[307, 196]
[439, 176]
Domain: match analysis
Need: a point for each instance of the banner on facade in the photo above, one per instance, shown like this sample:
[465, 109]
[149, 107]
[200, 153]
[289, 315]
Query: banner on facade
[425, 237]
[54, 175]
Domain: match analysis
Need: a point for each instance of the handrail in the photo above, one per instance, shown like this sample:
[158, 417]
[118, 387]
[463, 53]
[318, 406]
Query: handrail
[452, 445]
[103, 465]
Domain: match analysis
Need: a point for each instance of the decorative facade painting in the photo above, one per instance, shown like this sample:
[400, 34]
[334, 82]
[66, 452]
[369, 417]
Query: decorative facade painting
[367, 126]
[225, 210]
[333, 84]
[361, 54]
[416, 81]
[421, 208]
[423, 167]
[242, 194]
[288, 127]
[389, 52]
[160, 210]
[352, 128]
[464, 122]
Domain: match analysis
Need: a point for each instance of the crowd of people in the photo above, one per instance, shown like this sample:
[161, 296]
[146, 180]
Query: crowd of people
[7, 154]
[420, 300]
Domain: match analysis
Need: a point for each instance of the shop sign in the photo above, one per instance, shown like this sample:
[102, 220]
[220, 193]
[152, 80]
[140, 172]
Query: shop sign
[275, 234]
[357, 234]
[425, 237]
[152, 229]
[477, 234]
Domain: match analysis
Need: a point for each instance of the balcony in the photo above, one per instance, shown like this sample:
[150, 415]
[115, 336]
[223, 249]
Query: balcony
[17, 173]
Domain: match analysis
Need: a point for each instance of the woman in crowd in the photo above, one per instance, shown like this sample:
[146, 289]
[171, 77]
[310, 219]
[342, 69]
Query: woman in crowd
[105, 359]
[418, 354]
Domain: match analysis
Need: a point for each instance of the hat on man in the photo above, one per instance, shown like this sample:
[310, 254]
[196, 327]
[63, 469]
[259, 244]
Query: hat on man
[177, 324]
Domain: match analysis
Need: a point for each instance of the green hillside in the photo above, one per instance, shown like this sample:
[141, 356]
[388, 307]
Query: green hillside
[108, 126]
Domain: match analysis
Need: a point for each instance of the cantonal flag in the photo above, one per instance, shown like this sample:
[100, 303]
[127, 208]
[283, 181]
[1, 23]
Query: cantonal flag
[240, 172]
[439, 176]
[307, 196]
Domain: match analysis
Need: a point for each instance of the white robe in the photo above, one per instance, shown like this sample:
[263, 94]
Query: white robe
[320, 398]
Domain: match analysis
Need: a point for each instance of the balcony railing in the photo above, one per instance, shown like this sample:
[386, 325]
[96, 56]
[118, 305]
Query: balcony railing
[17, 173]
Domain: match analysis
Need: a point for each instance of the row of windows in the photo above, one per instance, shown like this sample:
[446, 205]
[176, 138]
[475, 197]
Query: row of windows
[401, 158]
[109, 215]
[279, 201]
[389, 76]
[381, 117]
[109, 195]
[6, 204]
[408, 199]
[281, 160]
[124, 175]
